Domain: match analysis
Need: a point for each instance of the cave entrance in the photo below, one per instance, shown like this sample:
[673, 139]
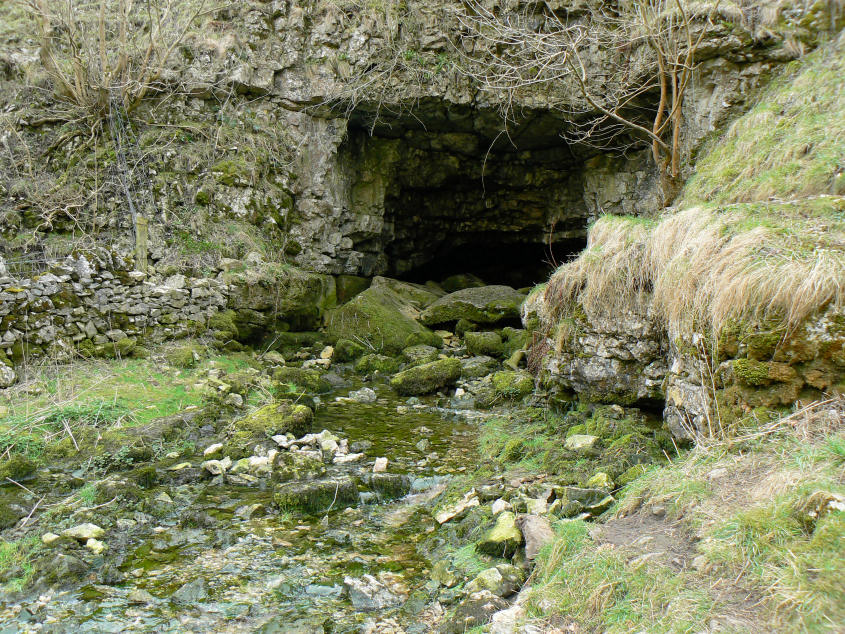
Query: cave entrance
[453, 194]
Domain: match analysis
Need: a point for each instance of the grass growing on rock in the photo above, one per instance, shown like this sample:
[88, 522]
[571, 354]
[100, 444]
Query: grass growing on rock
[757, 235]
[16, 562]
[762, 517]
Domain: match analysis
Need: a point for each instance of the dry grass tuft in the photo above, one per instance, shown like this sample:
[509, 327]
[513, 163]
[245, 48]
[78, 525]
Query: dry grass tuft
[762, 236]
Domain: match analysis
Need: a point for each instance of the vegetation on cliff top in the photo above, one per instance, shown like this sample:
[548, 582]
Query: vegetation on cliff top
[760, 233]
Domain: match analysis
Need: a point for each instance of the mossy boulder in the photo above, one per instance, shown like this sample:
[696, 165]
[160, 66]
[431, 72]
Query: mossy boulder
[484, 343]
[427, 378]
[510, 384]
[483, 305]
[377, 363]
[388, 486]
[16, 468]
[419, 354]
[288, 294]
[380, 317]
[185, 356]
[317, 496]
[288, 467]
[424, 338]
[276, 418]
[223, 326]
[414, 294]
[475, 367]
[515, 339]
[348, 350]
[348, 286]
[461, 281]
[462, 326]
[304, 379]
[503, 540]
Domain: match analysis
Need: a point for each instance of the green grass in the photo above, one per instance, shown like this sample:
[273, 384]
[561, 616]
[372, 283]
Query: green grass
[789, 145]
[102, 394]
[755, 531]
[16, 556]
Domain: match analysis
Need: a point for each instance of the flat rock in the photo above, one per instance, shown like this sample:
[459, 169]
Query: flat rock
[368, 593]
[480, 305]
[537, 532]
[84, 532]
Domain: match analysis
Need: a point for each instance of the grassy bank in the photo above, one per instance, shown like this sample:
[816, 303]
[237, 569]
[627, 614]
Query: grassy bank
[742, 535]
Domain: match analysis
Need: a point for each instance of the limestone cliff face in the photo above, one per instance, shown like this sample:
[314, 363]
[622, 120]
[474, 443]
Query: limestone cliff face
[346, 133]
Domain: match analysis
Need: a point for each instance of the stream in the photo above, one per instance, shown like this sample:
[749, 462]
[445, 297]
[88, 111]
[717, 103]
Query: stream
[226, 559]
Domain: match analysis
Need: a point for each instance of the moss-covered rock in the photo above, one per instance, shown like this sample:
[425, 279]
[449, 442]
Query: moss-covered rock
[316, 496]
[285, 293]
[483, 305]
[460, 281]
[288, 467]
[503, 540]
[462, 326]
[510, 384]
[424, 338]
[475, 367]
[387, 486]
[426, 378]
[222, 324]
[185, 356]
[413, 294]
[379, 316]
[377, 363]
[347, 350]
[348, 286]
[16, 468]
[304, 379]
[276, 418]
[515, 339]
[484, 343]
[419, 354]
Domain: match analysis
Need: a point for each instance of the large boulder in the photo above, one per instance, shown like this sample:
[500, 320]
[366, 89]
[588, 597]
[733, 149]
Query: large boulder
[414, 294]
[317, 496]
[482, 305]
[283, 417]
[484, 343]
[427, 378]
[380, 318]
[269, 292]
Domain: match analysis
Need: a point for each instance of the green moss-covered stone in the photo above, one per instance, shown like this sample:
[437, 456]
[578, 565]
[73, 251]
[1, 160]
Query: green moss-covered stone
[510, 384]
[276, 418]
[223, 325]
[484, 343]
[348, 286]
[388, 486]
[184, 356]
[303, 378]
[419, 354]
[377, 363]
[424, 338]
[631, 474]
[288, 467]
[347, 350]
[483, 305]
[463, 326]
[16, 468]
[503, 540]
[426, 378]
[316, 496]
[378, 316]
[461, 281]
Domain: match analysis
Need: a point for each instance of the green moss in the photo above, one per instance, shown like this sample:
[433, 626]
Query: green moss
[185, 356]
[16, 467]
[484, 343]
[751, 372]
[276, 418]
[376, 316]
[309, 380]
[377, 363]
[427, 378]
[509, 384]
[223, 323]
[316, 496]
[347, 350]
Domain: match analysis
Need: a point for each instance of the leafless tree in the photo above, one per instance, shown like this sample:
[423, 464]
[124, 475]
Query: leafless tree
[95, 49]
[647, 52]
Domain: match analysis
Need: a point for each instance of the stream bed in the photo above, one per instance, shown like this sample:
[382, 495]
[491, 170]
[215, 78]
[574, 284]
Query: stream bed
[223, 557]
